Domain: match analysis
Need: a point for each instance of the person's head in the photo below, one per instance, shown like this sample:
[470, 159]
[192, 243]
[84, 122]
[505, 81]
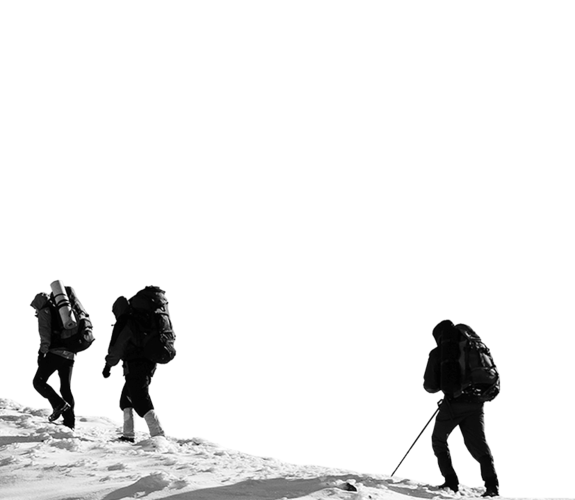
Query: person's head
[441, 328]
[120, 305]
[39, 301]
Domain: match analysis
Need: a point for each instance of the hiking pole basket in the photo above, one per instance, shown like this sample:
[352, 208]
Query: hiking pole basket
[417, 438]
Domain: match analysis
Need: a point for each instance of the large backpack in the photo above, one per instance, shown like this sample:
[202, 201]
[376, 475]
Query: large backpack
[78, 338]
[468, 365]
[151, 325]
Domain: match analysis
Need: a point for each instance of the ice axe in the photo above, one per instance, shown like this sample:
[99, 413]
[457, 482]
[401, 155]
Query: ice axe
[417, 438]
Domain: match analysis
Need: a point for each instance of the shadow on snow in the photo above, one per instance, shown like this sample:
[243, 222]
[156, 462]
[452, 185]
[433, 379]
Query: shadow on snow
[272, 489]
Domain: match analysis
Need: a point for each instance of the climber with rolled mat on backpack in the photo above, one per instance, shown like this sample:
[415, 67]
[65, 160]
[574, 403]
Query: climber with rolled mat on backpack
[462, 368]
[65, 329]
[141, 338]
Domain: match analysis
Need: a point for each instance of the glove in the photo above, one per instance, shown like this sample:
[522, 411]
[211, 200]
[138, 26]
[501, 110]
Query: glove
[106, 371]
[41, 356]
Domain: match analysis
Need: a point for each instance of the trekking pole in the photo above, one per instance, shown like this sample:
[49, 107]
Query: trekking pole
[417, 438]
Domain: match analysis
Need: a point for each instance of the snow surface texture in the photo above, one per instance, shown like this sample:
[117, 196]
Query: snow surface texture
[44, 461]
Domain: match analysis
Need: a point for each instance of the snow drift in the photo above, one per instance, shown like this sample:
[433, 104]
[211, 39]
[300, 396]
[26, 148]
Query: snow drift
[44, 461]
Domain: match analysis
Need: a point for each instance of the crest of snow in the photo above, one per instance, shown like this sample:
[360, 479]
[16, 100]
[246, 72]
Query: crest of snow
[46, 461]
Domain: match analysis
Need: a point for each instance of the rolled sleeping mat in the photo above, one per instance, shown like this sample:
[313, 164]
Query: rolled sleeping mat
[63, 304]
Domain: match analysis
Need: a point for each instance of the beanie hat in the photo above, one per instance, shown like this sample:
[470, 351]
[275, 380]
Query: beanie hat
[441, 327]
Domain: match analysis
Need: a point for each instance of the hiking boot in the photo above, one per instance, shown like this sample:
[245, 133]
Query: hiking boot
[451, 482]
[61, 408]
[492, 487]
[70, 425]
[127, 439]
[492, 493]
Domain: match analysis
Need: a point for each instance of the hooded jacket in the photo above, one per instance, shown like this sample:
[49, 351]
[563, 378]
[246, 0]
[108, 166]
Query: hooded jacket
[122, 346]
[41, 304]
[431, 379]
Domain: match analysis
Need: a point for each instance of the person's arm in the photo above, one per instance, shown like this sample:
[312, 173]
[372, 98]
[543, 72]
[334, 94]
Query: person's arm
[431, 378]
[45, 329]
[117, 349]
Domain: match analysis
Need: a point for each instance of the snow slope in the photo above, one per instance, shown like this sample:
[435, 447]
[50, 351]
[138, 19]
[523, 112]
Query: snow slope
[44, 461]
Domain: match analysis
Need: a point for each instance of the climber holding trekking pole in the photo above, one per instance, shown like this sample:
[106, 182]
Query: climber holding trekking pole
[462, 368]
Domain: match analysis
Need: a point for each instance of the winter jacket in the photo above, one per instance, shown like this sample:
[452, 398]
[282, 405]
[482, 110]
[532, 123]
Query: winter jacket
[431, 379]
[118, 348]
[122, 348]
[41, 304]
[119, 341]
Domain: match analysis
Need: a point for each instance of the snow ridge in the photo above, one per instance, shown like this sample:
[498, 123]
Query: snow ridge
[47, 461]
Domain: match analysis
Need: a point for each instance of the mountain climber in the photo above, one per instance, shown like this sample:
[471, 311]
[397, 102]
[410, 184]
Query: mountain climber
[53, 358]
[138, 373]
[460, 408]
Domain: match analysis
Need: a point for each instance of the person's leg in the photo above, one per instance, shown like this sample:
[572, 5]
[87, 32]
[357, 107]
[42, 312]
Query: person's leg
[154, 424]
[445, 422]
[65, 369]
[125, 400]
[128, 432]
[138, 379]
[48, 365]
[473, 431]
[127, 407]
